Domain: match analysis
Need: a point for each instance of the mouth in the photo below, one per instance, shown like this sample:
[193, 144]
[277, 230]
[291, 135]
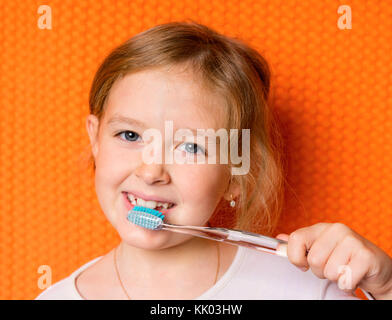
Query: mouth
[131, 201]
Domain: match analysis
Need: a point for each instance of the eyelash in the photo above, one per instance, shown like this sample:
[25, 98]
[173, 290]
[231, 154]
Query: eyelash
[200, 148]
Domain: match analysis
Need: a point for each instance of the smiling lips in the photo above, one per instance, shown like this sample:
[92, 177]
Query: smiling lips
[132, 200]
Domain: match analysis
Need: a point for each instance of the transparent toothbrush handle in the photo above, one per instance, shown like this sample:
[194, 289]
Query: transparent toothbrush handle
[235, 237]
[259, 242]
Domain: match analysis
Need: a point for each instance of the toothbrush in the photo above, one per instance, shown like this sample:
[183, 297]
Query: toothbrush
[154, 220]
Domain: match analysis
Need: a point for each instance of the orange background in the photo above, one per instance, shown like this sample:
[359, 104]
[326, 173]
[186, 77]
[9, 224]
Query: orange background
[332, 91]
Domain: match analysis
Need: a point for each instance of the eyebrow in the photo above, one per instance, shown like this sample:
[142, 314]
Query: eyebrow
[130, 121]
[122, 119]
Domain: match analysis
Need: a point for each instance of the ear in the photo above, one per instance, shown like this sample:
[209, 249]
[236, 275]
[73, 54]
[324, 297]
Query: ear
[92, 126]
[233, 189]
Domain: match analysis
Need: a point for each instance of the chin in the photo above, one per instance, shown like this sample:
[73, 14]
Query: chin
[146, 239]
[142, 238]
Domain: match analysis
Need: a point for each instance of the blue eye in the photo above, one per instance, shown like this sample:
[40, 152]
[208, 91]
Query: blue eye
[133, 136]
[193, 147]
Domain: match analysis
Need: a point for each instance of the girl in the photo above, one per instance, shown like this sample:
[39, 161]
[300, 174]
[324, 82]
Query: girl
[195, 78]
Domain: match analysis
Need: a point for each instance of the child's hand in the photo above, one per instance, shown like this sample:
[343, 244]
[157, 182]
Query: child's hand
[335, 252]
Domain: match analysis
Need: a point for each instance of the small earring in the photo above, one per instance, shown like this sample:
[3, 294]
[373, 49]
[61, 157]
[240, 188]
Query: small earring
[232, 202]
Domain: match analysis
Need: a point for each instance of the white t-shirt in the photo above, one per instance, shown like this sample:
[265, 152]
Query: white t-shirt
[253, 275]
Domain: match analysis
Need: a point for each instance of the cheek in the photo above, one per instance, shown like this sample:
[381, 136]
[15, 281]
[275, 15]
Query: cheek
[201, 190]
[111, 164]
[202, 181]
[109, 174]
[107, 171]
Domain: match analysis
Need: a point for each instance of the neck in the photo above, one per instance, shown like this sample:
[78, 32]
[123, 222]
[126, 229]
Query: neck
[176, 263]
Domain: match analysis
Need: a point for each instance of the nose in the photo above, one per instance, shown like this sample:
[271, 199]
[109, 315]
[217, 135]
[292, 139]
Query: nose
[152, 173]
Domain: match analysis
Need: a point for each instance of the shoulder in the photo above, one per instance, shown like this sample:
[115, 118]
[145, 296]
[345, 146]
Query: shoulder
[65, 289]
[266, 276]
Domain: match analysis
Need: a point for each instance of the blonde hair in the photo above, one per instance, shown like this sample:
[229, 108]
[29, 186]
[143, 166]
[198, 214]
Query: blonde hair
[240, 75]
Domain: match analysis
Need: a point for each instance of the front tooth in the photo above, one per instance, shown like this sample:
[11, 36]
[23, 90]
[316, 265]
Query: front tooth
[140, 202]
[148, 204]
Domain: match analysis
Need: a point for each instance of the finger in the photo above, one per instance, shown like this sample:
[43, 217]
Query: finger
[324, 246]
[356, 270]
[300, 241]
[348, 264]
[337, 262]
[283, 236]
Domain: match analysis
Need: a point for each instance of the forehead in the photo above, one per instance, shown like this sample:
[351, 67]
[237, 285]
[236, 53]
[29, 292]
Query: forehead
[168, 93]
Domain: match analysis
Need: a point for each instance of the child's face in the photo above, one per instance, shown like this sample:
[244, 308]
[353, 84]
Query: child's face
[151, 97]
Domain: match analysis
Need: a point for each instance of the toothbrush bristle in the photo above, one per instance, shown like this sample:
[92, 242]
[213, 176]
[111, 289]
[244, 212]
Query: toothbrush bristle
[148, 210]
[146, 217]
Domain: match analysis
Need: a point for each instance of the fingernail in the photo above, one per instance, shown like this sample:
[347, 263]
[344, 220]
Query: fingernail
[303, 268]
[345, 278]
[342, 282]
